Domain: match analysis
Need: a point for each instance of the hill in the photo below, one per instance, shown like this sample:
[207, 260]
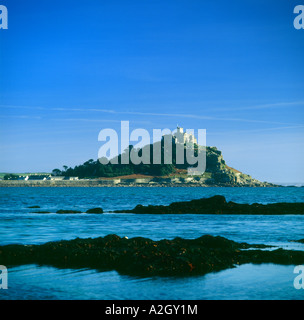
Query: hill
[217, 171]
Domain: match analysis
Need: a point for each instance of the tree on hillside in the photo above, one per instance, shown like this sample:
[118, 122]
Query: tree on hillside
[10, 176]
[56, 172]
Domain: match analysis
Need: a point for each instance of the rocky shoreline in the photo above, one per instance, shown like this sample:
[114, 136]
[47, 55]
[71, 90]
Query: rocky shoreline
[218, 205]
[213, 205]
[114, 183]
[145, 257]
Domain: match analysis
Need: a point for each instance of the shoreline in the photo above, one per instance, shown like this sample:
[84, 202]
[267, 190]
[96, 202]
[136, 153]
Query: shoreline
[216, 205]
[113, 183]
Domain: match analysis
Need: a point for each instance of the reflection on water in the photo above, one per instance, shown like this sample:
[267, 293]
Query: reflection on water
[253, 282]
[20, 224]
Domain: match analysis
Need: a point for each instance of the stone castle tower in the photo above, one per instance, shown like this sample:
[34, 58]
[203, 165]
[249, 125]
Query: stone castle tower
[180, 136]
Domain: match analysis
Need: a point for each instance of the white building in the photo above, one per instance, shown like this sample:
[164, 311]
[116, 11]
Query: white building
[181, 136]
[57, 178]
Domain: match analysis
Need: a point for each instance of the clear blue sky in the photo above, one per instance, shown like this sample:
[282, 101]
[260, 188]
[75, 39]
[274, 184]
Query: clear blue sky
[71, 68]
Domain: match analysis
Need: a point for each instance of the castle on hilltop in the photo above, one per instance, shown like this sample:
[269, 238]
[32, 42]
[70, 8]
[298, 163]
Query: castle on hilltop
[181, 136]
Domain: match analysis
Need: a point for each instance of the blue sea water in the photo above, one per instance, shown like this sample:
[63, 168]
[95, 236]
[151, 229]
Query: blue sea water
[23, 225]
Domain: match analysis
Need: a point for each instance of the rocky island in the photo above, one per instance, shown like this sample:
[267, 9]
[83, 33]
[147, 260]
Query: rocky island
[94, 174]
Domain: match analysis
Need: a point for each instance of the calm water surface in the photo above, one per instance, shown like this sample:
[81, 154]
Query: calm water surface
[20, 224]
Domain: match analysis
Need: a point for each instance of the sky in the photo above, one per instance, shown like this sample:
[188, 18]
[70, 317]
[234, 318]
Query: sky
[69, 69]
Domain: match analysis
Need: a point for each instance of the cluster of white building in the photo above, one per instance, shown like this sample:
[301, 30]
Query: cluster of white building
[185, 137]
[44, 178]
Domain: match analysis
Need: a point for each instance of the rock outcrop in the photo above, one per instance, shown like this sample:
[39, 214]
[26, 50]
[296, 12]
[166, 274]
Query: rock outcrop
[218, 205]
[67, 211]
[145, 257]
[95, 210]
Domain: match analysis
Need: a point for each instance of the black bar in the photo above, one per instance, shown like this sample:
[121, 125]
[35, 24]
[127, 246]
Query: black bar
[143, 309]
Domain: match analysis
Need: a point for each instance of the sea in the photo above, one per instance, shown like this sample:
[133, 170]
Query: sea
[20, 224]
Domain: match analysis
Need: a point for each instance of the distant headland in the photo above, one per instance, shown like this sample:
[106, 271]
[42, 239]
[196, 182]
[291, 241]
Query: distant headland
[93, 173]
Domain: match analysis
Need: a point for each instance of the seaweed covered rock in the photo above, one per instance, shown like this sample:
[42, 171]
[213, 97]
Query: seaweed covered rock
[95, 210]
[218, 205]
[68, 211]
[41, 212]
[300, 240]
[145, 257]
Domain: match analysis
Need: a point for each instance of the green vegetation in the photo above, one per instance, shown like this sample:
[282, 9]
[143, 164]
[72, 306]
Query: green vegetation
[95, 169]
[24, 174]
[10, 176]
